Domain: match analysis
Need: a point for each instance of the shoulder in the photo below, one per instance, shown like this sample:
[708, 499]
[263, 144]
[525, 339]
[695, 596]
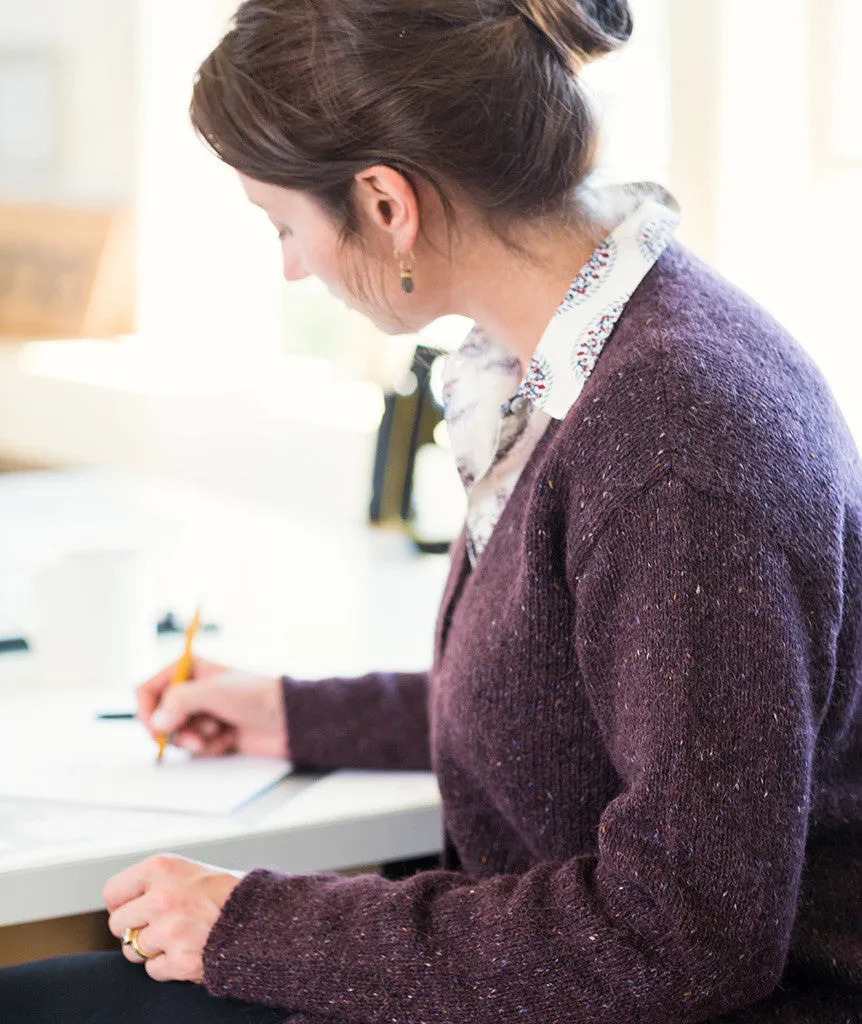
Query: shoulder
[701, 383]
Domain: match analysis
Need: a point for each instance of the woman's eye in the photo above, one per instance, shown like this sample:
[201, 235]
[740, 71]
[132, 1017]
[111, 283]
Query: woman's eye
[283, 233]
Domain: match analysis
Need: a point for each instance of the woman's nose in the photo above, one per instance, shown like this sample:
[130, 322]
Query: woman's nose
[295, 271]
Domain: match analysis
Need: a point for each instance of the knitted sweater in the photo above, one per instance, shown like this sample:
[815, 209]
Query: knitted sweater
[643, 714]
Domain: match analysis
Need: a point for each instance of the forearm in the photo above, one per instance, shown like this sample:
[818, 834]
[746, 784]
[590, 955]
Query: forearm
[562, 942]
[379, 720]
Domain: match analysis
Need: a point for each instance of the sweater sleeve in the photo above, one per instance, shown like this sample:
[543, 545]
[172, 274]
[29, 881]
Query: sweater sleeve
[691, 641]
[375, 721]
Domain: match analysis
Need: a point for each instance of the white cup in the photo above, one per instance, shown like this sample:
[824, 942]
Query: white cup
[95, 618]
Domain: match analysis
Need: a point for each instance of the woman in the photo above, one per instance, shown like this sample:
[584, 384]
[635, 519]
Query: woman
[648, 659]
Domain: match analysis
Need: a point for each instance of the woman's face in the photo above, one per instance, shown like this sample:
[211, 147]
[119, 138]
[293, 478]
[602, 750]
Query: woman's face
[309, 246]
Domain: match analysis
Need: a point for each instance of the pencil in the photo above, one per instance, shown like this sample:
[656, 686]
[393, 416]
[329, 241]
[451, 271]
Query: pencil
[182, 672]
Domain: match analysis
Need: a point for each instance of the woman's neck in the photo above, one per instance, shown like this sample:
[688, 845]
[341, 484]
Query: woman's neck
[513, 299]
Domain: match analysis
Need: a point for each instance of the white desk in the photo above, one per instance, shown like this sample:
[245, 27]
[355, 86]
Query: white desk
[292, 598]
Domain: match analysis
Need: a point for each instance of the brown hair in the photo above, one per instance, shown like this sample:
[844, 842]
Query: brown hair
[478, 98]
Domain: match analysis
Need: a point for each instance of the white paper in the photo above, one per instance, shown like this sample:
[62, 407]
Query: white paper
[357, 792]
[77, 759]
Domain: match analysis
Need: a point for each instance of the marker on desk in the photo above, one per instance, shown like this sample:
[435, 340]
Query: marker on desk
[182, 673]
[13, 643]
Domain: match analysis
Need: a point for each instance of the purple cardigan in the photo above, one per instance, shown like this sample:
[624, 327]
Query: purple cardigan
[643, 714]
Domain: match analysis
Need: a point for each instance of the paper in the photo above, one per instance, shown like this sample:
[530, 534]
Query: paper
[347, 793]
[76, 759]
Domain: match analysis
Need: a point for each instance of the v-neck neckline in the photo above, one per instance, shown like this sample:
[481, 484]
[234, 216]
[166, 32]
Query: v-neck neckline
[464, 576]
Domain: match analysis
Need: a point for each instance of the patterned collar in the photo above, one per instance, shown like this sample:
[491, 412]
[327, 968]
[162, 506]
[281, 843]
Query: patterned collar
[495, 415]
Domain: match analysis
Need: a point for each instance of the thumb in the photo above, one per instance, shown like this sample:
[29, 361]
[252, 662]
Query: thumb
[180, 702]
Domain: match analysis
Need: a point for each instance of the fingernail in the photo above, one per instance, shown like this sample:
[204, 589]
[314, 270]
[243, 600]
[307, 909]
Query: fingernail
[159, 721]
[193, 744]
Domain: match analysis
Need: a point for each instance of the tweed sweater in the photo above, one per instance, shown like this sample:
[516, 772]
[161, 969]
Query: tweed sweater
[643, 713]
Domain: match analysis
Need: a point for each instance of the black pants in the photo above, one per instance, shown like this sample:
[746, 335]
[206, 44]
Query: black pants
[104, 988]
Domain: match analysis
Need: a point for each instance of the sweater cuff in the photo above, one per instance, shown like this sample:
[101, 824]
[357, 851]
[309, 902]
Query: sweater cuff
[235, 962]
[306, 718]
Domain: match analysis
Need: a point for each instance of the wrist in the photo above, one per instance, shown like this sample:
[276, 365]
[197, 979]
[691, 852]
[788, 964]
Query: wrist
[221, 885]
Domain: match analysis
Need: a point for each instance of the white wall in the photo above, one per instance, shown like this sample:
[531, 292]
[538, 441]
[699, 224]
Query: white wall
[210, 281]
[94, 43]
[761, 198]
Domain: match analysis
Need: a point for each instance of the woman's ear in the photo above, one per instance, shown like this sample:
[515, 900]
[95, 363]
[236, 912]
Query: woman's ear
[389, 204]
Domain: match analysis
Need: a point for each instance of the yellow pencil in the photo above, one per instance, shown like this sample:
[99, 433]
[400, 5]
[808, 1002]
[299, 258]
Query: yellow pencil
[182, 671]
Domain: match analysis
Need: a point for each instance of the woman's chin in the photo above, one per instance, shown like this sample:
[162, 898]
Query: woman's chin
[383, 323]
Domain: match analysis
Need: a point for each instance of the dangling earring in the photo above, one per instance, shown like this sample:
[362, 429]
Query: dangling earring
[406, 274]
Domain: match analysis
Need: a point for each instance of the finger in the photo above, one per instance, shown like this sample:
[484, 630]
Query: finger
[157, 969]
[160, 968]
[126, 885]
[148, 942]
[199, 734]
[133, 914]
[131, 955]
[136, 880]
[179, 703]
[224, 743]
[180, 956]
[188, 739]
[149, 693]
[207, 726]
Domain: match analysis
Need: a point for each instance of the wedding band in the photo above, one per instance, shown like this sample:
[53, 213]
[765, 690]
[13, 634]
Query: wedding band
[130, 938]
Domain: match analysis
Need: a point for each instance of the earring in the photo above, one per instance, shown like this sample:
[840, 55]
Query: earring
[406, 274]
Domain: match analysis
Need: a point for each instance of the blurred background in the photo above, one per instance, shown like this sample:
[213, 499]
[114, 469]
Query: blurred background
[181, 349]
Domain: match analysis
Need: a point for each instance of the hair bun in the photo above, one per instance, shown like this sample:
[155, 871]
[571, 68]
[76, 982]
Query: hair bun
[580, 30]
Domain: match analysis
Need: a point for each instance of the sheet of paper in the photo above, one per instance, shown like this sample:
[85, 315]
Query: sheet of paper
[347, 792]
[77, 759]
[37, 832]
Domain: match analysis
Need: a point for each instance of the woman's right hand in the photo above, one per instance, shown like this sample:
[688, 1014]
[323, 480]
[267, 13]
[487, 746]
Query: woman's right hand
[220, 710]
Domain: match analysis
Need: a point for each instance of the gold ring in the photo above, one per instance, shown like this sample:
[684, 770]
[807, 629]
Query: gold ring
[130, 938]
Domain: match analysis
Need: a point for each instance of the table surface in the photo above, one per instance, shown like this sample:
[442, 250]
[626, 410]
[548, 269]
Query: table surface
[289, 597]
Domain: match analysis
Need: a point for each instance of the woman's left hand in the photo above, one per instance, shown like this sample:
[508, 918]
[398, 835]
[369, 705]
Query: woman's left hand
[174, 902]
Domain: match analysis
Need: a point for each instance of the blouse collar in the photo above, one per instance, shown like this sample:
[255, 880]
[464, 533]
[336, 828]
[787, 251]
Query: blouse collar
[486, 397]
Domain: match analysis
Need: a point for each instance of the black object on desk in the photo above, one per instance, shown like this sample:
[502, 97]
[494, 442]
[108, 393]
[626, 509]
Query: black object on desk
[169, 623]
[8, 644]
[408, 423]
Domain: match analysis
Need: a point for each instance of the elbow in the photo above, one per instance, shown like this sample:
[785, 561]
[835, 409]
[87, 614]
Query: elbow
[757, 959]
[757, 981]
[735, 975]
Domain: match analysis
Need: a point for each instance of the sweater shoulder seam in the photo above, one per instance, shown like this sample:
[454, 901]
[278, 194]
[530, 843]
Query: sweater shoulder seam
[668, 476]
